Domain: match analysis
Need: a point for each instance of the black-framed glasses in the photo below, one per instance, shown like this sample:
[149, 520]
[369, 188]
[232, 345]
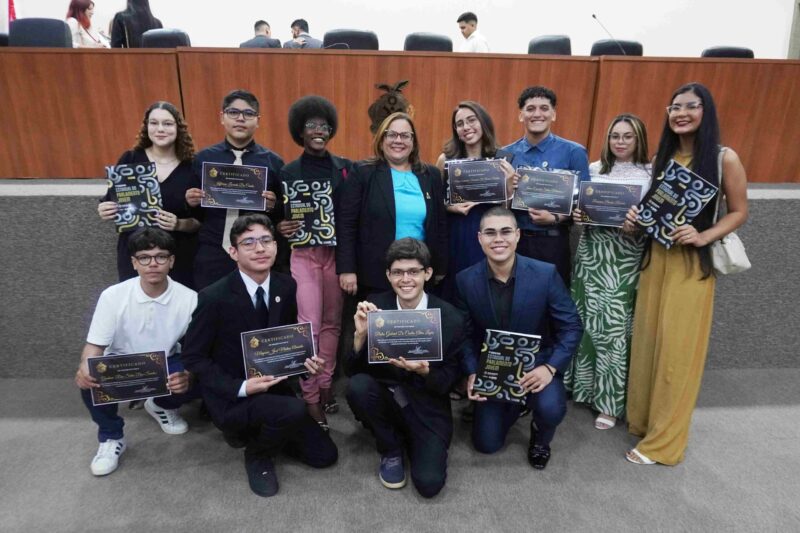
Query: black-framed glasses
[405, 136]
[492, 233]
[144, 260]
[689, 106]
[317, 126]
[234, 113]
[250, 242]
[397, 273]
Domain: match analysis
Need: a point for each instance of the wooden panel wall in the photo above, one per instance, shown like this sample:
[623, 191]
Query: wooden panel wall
[68, 113]
[437, 83]
[758, 104]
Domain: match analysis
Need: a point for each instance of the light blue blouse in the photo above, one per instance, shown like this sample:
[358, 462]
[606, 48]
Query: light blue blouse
[409, 206]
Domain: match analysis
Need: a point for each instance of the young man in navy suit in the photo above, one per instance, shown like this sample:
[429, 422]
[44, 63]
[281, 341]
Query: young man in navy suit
[260, 414]
[511, 292]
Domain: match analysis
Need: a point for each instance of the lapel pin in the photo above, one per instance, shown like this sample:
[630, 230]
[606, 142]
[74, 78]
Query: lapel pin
[277, 299]
[427, 195]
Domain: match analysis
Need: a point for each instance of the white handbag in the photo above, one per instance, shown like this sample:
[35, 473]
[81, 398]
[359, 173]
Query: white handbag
[727, 254]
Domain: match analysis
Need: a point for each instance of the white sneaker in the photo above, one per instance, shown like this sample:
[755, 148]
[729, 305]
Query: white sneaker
[107, 457]
[169, 419]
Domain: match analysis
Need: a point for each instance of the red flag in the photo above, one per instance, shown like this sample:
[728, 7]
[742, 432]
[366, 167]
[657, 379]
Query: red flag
[12, 15]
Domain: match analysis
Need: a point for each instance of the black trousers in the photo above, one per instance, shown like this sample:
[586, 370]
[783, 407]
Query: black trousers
[397, 429]
[551, 246]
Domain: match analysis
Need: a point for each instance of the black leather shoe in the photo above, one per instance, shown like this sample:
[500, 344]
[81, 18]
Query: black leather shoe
[261, 475]
[537, 455]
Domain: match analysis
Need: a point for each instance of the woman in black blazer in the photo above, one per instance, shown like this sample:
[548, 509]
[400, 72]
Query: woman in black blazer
[389, 196]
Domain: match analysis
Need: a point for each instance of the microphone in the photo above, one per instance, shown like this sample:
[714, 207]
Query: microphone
[621, 49]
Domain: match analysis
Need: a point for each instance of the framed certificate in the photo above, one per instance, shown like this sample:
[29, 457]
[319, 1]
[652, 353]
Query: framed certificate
[505, 357]
[415, 335]
[278, 351]
[311, 202]
[540, 189]
[128, 377]
[136, 191]
[606, 204]
[234, 186]
[677, 198]
[477, 180]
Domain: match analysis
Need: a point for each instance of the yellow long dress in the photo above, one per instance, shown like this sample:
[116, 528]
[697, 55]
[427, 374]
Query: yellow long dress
[671, 328]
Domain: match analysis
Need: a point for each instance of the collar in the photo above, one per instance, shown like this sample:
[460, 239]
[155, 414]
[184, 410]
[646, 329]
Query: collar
[251, 286]
[163, 298]
[422, 305]
[473, 35]
[512, 275]
[541, 146]
[251, 146]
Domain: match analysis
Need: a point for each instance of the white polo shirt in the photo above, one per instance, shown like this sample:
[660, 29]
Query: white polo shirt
[126, 320]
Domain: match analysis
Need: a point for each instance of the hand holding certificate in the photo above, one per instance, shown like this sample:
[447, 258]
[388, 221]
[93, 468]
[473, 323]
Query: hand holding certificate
[506, 357]
[234, 186]
[278, 351]
[540, 189]
[128, 377]
[605, 204]
[476, 180]
[137, 193]
[414, 335]
[310, 202]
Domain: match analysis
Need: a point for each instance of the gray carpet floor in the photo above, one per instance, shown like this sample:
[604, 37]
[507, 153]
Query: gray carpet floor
[741, 473]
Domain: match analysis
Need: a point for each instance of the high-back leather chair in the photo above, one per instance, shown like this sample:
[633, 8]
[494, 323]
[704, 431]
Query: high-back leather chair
[52, 33]
[551, 44]
[428, 42]
[165, 38]
[350, 40]
[612, 47]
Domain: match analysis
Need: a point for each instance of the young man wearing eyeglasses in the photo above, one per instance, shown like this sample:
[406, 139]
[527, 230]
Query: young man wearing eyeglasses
[510, 292]
[260, 414]
[240, 119]
[405, 403]
[148, 313]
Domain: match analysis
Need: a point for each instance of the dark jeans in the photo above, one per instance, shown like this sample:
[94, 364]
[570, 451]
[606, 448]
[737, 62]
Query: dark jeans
[374, 405]
[551, 246]
[493, 419]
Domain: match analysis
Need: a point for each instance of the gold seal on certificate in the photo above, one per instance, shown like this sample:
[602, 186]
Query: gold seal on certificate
[278, 351]
[128, 377]
[476, 180]
[541, 189]
[234, 186]
[415, 335]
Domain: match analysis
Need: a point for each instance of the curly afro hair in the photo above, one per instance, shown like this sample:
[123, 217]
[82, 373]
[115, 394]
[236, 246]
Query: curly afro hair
[309, 107]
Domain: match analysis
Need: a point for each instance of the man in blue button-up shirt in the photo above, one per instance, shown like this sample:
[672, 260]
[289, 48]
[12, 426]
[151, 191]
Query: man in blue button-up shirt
[545, 235]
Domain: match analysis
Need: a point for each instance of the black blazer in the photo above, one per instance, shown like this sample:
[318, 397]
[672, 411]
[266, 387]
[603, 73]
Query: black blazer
[366, 222]
[427, 396]
[212, 348]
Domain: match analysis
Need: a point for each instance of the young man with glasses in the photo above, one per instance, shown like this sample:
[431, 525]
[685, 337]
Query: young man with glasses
[405, 403]
[240, 119]
[148, 313]
[510, 292]
[260, 414]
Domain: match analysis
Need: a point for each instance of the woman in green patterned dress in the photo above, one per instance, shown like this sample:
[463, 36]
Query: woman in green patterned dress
[605, 278]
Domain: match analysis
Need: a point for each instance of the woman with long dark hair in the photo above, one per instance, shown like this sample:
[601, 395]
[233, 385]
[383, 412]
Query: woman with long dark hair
[129, 25]
[675, 304]
[604, 280]
[79, 20]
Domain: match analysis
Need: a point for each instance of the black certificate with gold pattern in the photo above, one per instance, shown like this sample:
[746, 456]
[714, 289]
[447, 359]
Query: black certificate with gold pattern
[505, 357]
[606, 204]
[479, 180]
[137, 192]
[128, 377]
[540, 189]
[415, 335]
[311, 202]
[278, 351]
[234, 186]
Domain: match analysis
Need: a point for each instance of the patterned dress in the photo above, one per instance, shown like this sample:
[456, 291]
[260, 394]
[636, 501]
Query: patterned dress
[604, 283]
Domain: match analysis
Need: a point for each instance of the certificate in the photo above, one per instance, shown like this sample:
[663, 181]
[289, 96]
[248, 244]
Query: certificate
[128, 377]
[477, 180]
[677, 197]
[311, 202]
[541, 189]
[278, 351]
[415, 335]
[136, 191]
[505, 357]
[234, 186]
[606, 204]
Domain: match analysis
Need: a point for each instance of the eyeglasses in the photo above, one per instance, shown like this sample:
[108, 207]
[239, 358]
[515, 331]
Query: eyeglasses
[689, 106]
[505, 233]
[627, 138]
[405, 136]
[397, 273]
[470, 121]
[144, 260]
[233, 113]
[167, 124]
[250, 242]
[316, 126]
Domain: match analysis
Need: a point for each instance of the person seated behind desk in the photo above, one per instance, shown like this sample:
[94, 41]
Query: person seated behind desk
[263, 37]
[407, 401]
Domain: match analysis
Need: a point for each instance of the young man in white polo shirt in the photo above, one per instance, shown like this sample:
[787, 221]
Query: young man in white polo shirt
[148, 313]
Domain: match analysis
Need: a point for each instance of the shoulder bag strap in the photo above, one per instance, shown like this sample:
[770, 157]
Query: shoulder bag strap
[720, 192]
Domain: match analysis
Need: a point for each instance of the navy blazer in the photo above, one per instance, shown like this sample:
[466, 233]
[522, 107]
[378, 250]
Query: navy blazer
[541, 305]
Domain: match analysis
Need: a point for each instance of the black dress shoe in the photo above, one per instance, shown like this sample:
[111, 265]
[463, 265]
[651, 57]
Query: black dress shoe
[538, 455]
[261, 475]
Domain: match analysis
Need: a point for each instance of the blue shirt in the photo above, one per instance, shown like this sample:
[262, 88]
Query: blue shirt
[409, 206]
[553, 153]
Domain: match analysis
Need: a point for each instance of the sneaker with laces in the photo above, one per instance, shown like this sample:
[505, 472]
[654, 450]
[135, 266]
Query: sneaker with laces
[392, 471]
[107, 458]
[169, 419]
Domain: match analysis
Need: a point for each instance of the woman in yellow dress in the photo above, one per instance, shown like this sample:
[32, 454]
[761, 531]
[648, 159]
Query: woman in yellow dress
[675, 303]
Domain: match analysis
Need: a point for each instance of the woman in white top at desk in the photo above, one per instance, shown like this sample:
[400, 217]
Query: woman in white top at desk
[79, 20]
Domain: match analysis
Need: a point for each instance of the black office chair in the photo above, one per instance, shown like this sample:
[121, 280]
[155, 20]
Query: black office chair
[428, 42]
[51, 33]
[3, 39]
[612, 47]
[165, 38]
[551, 44]
[350, 40]
[727, 51]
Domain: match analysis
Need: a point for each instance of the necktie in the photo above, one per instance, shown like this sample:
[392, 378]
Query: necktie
[262, 311]
[231, 214]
